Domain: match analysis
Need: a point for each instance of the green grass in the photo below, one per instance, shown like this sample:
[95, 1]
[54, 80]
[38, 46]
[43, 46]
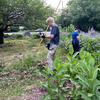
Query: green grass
[18, 74]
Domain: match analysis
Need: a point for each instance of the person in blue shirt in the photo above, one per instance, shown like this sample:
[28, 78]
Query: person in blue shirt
[75, 40]
[54, 41]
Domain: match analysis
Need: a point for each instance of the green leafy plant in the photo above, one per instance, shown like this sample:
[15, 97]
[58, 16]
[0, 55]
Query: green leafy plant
[54, 82]
[81, 74]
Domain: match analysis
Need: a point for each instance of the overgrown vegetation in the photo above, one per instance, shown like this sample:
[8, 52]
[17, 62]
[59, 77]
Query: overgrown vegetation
[77, 76]
[74, 79]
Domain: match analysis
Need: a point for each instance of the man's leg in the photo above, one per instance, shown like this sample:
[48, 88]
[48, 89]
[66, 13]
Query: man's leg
[74, 47]
[77, 49]
[51, 57]
[54, 56]
[50, 60]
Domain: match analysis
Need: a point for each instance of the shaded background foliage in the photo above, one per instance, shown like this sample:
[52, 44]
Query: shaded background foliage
[84, 14]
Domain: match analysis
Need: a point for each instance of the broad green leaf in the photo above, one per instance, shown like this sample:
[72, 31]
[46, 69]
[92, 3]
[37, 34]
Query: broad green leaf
[44, 84]
[90, 95]
[96, 69]
[71, 51]
[97, 93]
[55, 90]
[61, 96]
[69, 58]
[84, 96]
[60, 71]
[96, 84]
[44, 75]
[83, 80]
[46, 97]
[47, 70]
[75, 54]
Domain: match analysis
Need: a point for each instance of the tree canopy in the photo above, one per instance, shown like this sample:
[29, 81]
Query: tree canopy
[84, 14]
[29, 13]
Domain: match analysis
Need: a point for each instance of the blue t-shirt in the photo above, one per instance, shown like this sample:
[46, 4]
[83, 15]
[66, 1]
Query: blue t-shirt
[74, 36]
[55, 31]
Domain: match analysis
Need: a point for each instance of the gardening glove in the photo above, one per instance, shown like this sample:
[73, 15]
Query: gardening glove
[43, 37]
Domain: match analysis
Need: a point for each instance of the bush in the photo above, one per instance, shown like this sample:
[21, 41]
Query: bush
[92, 46]
[62, 29]
[18, 36]
[14, 29]
[70, 29]
[65, 41]
[89, 44]
[35, 36]
[24, 64]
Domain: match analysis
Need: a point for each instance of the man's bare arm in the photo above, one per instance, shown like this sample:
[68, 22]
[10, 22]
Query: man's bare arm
[50, 37]
[78, 38]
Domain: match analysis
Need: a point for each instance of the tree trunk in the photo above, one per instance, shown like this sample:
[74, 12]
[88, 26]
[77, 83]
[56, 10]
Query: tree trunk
[1, 37]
